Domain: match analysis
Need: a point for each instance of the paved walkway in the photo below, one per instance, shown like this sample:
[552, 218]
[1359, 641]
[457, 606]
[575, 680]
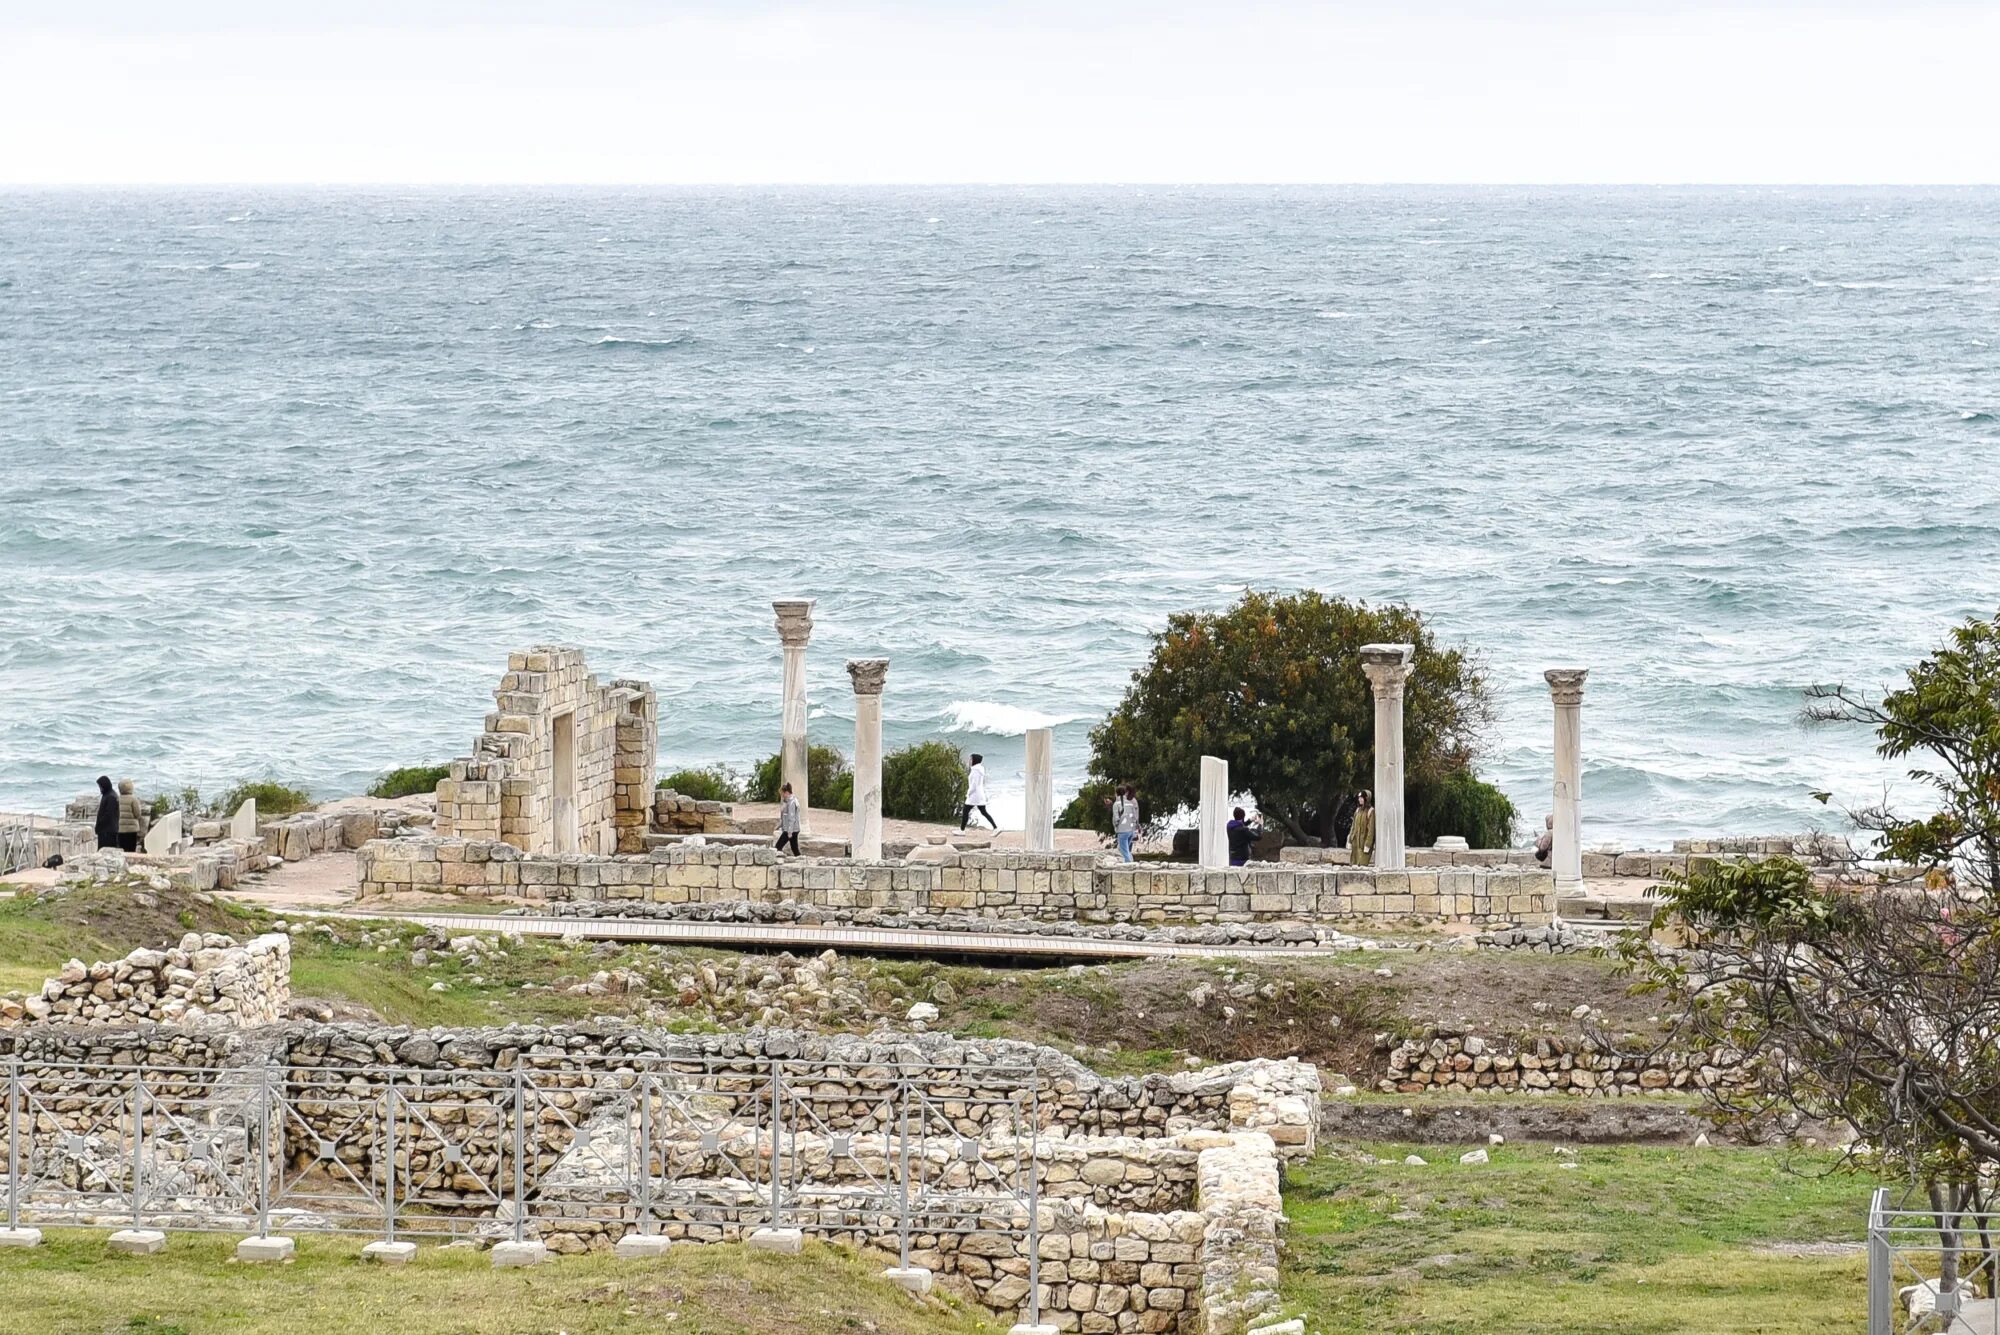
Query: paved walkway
[817, 937]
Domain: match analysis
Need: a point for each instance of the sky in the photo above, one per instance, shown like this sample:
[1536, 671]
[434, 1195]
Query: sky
[1366, 91]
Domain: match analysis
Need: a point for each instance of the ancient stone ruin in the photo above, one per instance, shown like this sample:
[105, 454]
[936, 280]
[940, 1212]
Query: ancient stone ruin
[565, 764]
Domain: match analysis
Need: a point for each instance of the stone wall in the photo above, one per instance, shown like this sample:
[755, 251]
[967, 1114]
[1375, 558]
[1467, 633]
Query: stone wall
[206, 977]
[1586, 1066]
[507, 789]
[1084, 887]
[1818, 850]
[1159, 1208]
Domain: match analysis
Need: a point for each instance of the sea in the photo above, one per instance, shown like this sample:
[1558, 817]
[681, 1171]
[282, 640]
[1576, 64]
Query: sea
[286, 473]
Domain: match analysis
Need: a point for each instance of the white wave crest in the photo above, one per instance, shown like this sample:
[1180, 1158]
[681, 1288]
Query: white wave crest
[990, 719]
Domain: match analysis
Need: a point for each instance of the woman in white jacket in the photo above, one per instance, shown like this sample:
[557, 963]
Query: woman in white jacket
[975, 794]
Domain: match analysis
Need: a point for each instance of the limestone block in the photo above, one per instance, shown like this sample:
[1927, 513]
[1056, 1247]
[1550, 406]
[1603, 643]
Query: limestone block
[137, 1242]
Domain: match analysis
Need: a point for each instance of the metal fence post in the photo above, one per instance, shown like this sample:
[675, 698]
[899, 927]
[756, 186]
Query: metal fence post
[520, 1150]
[903, 1176]
[1881, 1287]
[14, 1143]
[777, 1120]
[389, 1171]
[645, 1083]
[138, 1144]
[264, 1154]
[1034, 1219]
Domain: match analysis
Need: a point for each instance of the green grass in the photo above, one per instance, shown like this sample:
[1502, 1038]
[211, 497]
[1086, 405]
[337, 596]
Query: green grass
[73, 1286]
[1637, 1241]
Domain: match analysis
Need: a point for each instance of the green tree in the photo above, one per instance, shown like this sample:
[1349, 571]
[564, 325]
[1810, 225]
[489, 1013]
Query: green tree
[925, 781]
[1462, 804]
[1274, 686]
[1949, 712]
[824, 765]
[710, 783]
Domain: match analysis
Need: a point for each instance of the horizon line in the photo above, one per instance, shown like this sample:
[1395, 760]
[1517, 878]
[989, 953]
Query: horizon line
[885, 184]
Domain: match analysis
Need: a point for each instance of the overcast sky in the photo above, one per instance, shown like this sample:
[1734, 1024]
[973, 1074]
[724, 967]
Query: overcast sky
[913, 91]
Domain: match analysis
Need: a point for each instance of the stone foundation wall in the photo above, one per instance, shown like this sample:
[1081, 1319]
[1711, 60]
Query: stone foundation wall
[506, 789]
[1056, 887]
[1819, 850]
[205, 977]
[1549, 1066]
[1168, 1223]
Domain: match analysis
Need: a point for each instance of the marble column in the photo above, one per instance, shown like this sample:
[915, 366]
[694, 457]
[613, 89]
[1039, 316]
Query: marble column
[1388, 667]
[868, 675]
[1040, 827]
[795, 626]
[1214, 813]
[1566, 851]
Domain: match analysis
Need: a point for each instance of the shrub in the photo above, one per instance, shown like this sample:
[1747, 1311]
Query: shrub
[1460, 804]
[1090, 809]
[836, 794]
[188, 800]
[923, 782]
[273, 798]
[409, 781]
[823, 764]
[711, 783]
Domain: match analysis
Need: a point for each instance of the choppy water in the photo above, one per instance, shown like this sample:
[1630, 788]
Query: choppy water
[286, 474]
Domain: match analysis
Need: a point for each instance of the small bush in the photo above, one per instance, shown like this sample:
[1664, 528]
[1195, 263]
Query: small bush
[823, 765]
[1461, 805]
[273, 798]
[1090, 809]
[409, 781]
[836, 794]
[922, 782]
[711, 783]
[188, 800]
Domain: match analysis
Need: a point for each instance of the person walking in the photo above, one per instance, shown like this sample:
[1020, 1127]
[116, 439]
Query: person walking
[1125, 820]
[1361, 834]
[788, 820]
[975, 794]
[107, 813]
[1241, 835]
[132, 818]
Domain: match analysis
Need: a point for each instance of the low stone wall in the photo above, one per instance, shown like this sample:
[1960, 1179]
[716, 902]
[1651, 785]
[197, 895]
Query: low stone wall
[1814, 849]
[1054, 887]
[1159, 1208]
[206, 977]
[1457, 1062]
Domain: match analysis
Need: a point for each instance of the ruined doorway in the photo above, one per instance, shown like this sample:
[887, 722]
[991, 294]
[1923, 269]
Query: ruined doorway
[563, 743]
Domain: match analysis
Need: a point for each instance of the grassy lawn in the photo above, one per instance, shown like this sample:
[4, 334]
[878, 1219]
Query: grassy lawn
[72, 1286]
[1639, 1241]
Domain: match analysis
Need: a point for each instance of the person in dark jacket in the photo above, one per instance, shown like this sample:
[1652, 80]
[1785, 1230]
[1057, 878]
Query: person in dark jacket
[107, 813]
[1242, 834]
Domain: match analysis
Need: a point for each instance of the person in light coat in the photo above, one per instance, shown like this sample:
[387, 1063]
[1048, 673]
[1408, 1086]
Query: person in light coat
[788, 820]
[132, 817]
[975, 794]
[1125, 820]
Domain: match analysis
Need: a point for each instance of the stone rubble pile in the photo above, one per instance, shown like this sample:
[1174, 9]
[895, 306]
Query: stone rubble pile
[676, 813]
[776, 992]
[207, 976]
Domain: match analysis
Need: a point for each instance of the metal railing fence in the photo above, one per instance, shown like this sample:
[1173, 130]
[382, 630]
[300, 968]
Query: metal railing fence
[704, 1147]
[1905, 1252]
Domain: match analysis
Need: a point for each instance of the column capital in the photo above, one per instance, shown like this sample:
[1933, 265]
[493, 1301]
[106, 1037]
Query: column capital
[868, 674]
[1566, 684]
[1387, 666]
[795, 620]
